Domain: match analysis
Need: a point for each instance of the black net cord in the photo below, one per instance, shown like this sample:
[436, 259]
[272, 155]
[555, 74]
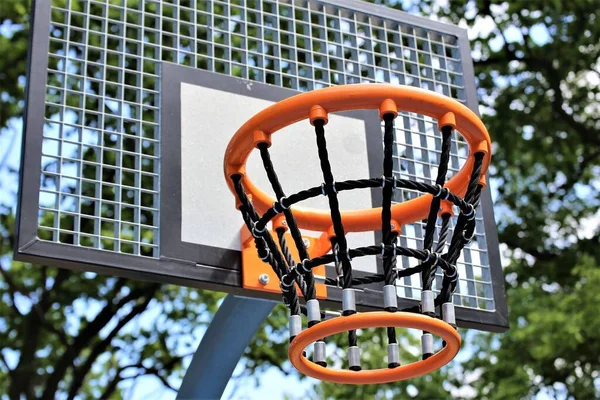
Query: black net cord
[475, 178]
[443, 234]
[420, 255]
[311, 292]
[273, 255]
[288, 258]
[339, 272]
[336, 217]
[472, 196]
[249, 215]
[388, 165]
[388, 237]
[457, 243]
[270, 252]
[359, 184]
[440, 180]
[284, 247]
[463, 225]
[334, 206]
[386, 204]
[470, 229]
[390, 260]
[264, 242]
[428, 273]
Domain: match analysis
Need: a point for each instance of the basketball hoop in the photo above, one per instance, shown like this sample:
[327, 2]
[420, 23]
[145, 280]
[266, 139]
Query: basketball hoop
[296, 271]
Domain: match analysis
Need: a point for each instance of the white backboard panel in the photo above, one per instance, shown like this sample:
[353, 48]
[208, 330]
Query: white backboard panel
[209, 117]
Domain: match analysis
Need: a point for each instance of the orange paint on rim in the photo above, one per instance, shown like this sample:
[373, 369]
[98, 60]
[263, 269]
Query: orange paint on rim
[374, 320]
[356, 97]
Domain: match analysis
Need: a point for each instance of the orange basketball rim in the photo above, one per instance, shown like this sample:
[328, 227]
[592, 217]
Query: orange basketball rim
[387, 99]
[383, 97]
[375, 320]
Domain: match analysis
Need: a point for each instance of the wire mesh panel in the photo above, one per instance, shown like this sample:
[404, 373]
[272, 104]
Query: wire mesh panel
[101, 161]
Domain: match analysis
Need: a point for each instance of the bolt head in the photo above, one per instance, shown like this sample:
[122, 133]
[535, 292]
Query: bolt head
[263, 279]
[306, 243]
[284, 223]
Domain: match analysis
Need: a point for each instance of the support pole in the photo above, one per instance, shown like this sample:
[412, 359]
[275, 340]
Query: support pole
[223, 344]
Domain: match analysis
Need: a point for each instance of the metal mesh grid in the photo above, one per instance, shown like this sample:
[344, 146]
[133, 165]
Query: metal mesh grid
[100, 167]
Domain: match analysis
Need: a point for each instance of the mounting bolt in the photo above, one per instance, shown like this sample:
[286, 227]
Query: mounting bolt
[284, 222]
[306, 242]
[263, 279]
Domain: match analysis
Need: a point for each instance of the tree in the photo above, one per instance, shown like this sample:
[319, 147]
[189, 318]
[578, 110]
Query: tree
[537, 64]
[538, 76]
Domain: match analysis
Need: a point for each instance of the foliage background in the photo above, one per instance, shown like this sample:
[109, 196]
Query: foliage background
[66, 334]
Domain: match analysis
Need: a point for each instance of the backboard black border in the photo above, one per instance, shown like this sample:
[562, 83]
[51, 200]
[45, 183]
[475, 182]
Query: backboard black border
[170, 268]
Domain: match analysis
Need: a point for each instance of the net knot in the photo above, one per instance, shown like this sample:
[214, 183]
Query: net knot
[303, 268]
[451, 273]
[266, 256]
[386, 247]
[257, 232]
[284, 285]
[467, 239]
[392, 179]
[471, 214]
[443, 192]
[432, 255]
[325, 186]
[279, 207]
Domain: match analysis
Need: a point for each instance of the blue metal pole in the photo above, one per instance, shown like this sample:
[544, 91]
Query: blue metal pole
[223, 344]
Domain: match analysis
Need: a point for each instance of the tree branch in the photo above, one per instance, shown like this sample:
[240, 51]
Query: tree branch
[585, 132]
[535, 63]
[90, 331]
[238, 379]
[26, 367]
[42, 306]
[101, 346]
[153, 371]
[110, 389]
[12, 289]
[46, 324]
[112, 386]
[540, 64]
[514, 243]
[573, 179]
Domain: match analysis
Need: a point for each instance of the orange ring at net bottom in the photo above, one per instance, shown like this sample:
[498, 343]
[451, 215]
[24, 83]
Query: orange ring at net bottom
[374, 320]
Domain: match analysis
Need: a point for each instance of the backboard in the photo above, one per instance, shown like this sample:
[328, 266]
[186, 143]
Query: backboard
[130, 107]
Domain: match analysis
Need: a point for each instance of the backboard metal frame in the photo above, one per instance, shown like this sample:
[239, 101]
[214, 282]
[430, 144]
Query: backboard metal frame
[174, 266]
